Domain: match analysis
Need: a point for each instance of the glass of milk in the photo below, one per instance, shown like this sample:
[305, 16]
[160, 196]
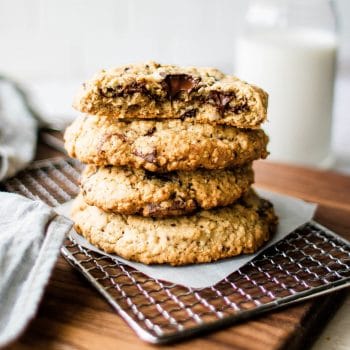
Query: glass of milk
[289, 48]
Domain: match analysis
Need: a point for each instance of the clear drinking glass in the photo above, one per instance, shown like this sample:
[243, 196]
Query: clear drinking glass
[289, 48]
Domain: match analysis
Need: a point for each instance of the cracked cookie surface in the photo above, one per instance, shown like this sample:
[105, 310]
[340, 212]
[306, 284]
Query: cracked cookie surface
[206, 236]
[135, 191]
[152, 90]
[162, 145]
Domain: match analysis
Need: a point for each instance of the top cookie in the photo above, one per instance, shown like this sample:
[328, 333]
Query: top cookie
[155, 91]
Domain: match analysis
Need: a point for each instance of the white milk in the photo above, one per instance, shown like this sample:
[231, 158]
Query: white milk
[296, 67]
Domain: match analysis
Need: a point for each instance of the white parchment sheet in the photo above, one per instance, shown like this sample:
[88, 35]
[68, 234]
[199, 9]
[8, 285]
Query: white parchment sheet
[292, 213]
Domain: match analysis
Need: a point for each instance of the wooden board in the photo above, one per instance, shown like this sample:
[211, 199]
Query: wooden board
[73, 316]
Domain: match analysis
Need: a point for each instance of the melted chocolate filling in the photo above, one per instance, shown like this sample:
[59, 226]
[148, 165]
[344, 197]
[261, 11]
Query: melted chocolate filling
[173, 85]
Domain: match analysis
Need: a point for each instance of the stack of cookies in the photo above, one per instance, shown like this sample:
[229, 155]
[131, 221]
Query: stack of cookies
[169, 154]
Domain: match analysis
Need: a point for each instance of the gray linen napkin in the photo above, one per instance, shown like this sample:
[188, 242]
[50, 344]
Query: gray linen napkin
[31, 234]
[18, 129]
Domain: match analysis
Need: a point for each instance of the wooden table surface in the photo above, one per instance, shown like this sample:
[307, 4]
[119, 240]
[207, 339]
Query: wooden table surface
[72, 315]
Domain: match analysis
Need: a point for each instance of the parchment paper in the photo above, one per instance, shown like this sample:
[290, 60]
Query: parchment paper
[292, 213]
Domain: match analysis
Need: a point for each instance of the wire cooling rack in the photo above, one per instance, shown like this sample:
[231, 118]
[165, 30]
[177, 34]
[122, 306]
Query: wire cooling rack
[309, 262]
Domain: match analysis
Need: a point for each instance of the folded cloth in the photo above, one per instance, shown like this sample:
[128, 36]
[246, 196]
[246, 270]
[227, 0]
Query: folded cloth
[31, 234]
[18, 130]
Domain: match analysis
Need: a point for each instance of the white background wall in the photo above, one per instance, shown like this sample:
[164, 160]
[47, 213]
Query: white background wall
[71, 39]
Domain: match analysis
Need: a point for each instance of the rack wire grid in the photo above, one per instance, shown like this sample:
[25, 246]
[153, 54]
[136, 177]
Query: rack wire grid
[309, 262]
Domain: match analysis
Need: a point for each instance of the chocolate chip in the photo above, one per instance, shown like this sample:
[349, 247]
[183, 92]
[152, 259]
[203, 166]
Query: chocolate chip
[150, 157]
[105, 137]
[121, 137]
[180, 204]
[135, 87]
[109, 92]
[189, 114]
[172, 196]
[150, 131]
[220, 99]
[155, 209]
[173, 84]
[166, 177]
[130, 89]
[240, 108]
[264, 205]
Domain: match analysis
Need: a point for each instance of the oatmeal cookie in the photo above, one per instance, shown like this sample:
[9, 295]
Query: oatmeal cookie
[162, 145]
[135, 191]
[206, 236]
[152, 90]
